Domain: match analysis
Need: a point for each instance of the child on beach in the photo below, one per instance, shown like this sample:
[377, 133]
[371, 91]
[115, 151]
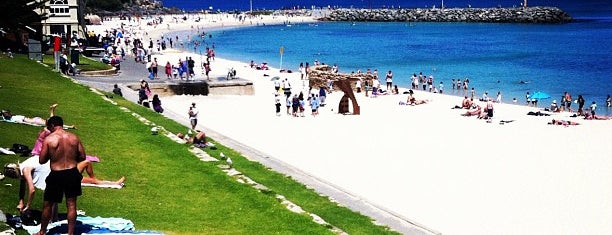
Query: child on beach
[277, 103]
[288, 103]
[174, 72]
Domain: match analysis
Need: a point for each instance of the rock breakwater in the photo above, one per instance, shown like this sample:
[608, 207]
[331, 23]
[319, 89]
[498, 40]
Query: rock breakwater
[480, 15]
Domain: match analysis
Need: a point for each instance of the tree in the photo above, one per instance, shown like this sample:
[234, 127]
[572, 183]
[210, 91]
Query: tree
[17, 14]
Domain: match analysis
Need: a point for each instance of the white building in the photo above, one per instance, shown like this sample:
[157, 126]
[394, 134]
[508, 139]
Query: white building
[64, 17]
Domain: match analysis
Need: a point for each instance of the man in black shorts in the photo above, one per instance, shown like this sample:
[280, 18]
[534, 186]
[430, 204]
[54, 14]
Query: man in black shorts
[65, 151]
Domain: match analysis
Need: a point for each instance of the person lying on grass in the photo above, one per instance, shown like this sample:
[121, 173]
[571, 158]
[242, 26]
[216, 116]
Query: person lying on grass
[199, 140]
[38, 121]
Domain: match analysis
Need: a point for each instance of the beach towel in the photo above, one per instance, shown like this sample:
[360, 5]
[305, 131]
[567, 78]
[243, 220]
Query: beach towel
[27, 123]
[6, 151]
[89, 225]
[113, 186]
[92, 158]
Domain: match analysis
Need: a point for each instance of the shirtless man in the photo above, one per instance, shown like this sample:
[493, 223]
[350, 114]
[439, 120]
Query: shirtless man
[466, 103]
[64, 150]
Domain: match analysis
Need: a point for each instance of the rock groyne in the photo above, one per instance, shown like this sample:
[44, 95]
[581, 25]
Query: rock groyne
[479, 15]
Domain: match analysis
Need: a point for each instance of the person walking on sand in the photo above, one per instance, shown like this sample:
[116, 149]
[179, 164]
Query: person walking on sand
[193, 115]
[64, 150]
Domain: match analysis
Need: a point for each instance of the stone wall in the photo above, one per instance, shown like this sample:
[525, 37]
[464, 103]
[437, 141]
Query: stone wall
[318, 75]
[482, 15]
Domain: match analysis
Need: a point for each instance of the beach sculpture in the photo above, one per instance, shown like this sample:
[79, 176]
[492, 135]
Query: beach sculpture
[318, 76]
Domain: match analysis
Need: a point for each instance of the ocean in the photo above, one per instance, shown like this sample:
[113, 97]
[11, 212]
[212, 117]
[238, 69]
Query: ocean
[509, 58]
[576, 8]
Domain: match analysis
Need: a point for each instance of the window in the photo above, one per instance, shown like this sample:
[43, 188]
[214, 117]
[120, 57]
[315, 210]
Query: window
[59, 7]
[59, 10]
[59, 2]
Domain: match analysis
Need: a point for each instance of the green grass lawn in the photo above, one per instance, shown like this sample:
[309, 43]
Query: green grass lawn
[85, 63]
[167, 188]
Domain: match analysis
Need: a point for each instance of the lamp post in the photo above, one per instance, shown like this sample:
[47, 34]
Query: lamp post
[251, 4]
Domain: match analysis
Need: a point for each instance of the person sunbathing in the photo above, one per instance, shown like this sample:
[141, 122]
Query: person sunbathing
[563, 122]
[589, 116]
[475, 110]
[38, 121]
[411, 100]
[199, 140]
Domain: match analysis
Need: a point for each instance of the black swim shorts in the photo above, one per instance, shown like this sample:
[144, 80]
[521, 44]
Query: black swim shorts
[62, 182]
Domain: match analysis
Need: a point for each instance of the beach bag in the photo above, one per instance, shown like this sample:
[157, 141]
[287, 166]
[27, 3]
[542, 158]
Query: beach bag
[21, 149]
[151, 76]
[12, 170]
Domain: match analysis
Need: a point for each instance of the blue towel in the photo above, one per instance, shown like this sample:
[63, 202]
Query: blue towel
[91, 225]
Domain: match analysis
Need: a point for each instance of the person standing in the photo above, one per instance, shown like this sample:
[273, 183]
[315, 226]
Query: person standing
[277, 103]
[580, 105]
[568, 101]
[64, 150]
[528, 98]
[302, 71]
[287, 88]
[207, 70]
[389, 80]
[168, 70]
[276, 85]
[593, 108]
[191, 65]
[193, 115]
[154, 68]
[489, 110]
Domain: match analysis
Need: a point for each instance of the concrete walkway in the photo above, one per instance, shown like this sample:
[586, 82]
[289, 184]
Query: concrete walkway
[132, 72]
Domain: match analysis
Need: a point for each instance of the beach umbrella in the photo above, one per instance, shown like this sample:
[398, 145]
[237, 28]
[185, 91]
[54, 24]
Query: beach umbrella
[540, 95]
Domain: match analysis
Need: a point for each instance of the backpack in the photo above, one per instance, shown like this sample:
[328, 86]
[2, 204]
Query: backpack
[22, 149]
[12, 170]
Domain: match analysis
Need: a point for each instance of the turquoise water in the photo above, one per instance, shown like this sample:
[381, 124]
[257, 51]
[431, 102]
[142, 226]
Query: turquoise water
[572, 57]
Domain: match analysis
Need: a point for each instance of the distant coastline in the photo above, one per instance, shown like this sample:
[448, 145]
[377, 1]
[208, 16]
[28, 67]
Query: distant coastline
[478, 15]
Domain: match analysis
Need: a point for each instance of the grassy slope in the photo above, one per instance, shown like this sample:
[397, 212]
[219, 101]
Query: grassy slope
[168, 189]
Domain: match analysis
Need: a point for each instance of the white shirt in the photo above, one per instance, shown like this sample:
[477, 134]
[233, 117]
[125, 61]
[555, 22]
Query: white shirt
[39, 172]
[195, 112]
[376, 83]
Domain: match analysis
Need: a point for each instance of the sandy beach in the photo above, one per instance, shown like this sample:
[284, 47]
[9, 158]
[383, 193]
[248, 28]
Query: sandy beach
[426, 163]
